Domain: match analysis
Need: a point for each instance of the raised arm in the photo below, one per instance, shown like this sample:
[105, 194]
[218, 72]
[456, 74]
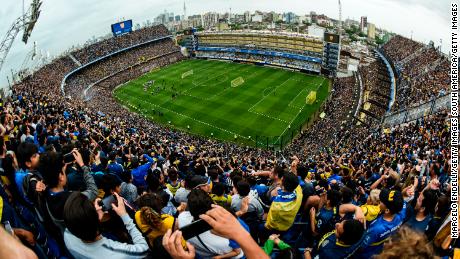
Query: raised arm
[226, 225]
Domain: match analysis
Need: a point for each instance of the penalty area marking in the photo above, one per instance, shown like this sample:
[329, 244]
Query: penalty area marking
[300, 110]
[183, 115]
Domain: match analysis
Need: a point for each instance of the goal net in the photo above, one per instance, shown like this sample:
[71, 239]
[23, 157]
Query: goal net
[188, 73]
[311, 98]
[237, 82]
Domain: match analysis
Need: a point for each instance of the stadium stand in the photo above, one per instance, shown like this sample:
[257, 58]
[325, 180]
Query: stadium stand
[296, 51]
[423, 72]
[112, 44]
[60, 156]
[377, 92]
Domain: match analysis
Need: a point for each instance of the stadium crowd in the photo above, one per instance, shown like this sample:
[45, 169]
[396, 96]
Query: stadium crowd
[102, 48]
[77, 82]
[276, 61]
[423, 72]
[91, 180]
[337, 112]
[377, 88]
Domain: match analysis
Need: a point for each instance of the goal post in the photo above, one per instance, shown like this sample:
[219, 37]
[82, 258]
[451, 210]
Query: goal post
[188, 73]
[237, 82]
[311, 98]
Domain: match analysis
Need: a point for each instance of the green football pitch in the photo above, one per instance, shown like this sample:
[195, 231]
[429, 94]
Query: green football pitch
[268, 107]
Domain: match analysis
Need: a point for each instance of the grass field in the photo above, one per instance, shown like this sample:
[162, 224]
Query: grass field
[271, 102]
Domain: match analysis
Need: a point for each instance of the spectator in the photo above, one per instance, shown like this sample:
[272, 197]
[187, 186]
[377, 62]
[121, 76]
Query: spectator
[394, 209]
[149, 219]
[54, 170]
[285, 205]
[206, 244]
[219, 196]
[407, 243]
[11, 247]
[372, 209]
[82, 236]
[423, 211]
[241, 190]
[173, 181]
[339, 243]
[127, 189]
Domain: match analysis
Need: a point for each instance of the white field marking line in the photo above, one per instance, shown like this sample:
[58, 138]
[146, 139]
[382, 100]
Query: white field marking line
[268, 116]
[228, 88]
[201, 84]
[270, 90]
[180, 114]
[188, 89]
[296, 106]
[265, 96]
[265, 115]
[221, 92]
[209, 79]
[300, 110]
[196, 97]
[201, 98]
[189, 67]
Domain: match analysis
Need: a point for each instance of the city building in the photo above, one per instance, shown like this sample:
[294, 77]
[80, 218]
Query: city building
[316, 31]
[247, 17]
[223, 26]
[257, 18]
[371, 31]
[289, 17]
[363, 23]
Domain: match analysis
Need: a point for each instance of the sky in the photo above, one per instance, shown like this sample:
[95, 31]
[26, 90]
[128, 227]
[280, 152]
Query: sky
[66, 23]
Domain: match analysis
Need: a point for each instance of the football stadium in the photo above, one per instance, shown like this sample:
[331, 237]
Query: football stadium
[211, 132]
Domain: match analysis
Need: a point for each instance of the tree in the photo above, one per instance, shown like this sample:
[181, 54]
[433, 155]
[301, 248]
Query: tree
[378, 40]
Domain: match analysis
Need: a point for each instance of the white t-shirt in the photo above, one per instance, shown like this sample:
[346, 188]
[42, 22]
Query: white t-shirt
[215, 245]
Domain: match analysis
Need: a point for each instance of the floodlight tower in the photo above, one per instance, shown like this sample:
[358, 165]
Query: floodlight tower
[340, 18]
[26, 23]
[185, 12]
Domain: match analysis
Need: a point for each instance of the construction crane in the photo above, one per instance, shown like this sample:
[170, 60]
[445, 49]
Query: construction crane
[25, 23]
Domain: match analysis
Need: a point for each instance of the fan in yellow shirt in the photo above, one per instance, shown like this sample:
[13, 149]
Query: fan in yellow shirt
[372, 209]
[149, 219]
[285, 205]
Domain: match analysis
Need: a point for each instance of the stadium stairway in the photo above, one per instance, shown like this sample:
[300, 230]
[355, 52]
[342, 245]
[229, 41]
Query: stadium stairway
[374, 91]
[378, 104]
[362, 122]
[410, 57]
[370, 114]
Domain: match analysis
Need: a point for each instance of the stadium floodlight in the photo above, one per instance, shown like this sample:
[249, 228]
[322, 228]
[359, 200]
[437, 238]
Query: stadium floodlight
[25, 22]
[29, 25]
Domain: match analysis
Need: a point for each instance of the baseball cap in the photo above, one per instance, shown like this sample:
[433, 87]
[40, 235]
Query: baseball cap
[393, 200]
